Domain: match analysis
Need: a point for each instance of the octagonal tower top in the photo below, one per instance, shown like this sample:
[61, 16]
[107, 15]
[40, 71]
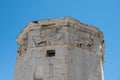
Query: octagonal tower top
[66, 22]
[61, 31]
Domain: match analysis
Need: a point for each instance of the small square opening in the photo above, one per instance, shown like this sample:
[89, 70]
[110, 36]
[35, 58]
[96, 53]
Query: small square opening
[50, 53]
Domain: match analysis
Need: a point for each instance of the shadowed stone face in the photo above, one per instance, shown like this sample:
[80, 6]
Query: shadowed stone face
[38, 79]
[60, 49]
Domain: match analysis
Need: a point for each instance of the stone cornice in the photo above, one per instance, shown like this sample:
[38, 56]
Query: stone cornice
[64, 22]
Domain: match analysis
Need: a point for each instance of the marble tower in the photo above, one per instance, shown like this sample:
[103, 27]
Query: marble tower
[59, 49]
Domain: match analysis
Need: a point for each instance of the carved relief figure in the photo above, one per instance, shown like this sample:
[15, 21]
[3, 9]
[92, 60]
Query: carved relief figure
[50, 39]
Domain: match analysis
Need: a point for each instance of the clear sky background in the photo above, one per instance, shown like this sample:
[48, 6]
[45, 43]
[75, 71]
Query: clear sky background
[15, 14]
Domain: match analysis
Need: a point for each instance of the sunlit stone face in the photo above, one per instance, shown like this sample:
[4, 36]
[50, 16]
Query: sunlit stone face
[59, 49]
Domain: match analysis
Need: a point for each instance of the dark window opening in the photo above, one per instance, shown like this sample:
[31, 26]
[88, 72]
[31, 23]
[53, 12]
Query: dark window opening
[38, 79]
[50, 53]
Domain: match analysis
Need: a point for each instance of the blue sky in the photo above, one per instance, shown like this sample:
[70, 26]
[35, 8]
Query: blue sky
[15, 14]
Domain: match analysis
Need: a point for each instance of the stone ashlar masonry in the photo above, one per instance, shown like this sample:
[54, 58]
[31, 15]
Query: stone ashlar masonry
[79, 50]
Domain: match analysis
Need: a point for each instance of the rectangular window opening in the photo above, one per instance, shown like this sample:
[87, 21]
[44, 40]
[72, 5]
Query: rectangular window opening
[38, 79]
[50, 53]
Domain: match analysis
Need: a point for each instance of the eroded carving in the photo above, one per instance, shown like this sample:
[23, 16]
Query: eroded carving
[23, 45]
[51, 39]
[90, 43]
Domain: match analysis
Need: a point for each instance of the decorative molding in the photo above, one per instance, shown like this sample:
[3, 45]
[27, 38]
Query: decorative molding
[53, 32]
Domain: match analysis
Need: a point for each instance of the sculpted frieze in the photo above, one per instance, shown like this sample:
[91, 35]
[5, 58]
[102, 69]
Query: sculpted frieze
[82, 31]
[45, 32]
[50, 39]
[47, 36]
[88, 43]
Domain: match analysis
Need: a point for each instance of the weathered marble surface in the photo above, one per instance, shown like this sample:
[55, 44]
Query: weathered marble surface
[79, 51]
